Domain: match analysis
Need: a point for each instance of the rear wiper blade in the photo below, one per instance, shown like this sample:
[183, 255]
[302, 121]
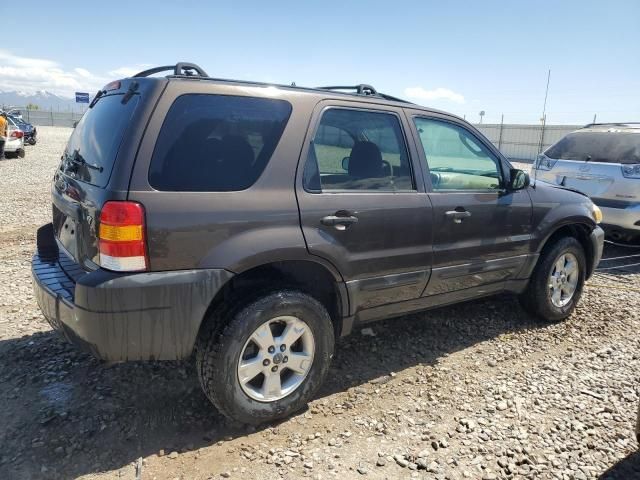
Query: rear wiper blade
[79, 159]
[97, 97]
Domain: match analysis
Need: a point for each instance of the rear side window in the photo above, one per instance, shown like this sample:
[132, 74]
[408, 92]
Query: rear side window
[216, 143]
[607, 147]
[358, 150]
[93, 145]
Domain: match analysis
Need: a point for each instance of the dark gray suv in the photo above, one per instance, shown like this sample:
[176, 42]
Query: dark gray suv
[252, 224]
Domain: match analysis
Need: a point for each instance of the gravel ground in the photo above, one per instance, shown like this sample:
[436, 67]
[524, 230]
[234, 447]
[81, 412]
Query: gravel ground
[479, 390]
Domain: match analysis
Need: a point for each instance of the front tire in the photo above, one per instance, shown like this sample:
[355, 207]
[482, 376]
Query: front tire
[557, 281]
[269, 358]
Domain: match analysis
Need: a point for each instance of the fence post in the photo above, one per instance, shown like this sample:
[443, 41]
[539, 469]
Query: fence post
[500, 136]
[51, 115]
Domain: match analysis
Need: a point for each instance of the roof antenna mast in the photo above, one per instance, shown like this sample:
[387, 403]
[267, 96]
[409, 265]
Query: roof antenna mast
[543, 119]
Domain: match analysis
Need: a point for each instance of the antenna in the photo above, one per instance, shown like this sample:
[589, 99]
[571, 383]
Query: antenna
[544, 121]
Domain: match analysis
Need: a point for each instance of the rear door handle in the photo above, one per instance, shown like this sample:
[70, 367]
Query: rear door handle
[339, 222]
[458, 215]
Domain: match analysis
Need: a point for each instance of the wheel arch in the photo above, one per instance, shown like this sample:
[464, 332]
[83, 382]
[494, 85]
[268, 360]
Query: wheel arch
[578, 230]
[308, 276]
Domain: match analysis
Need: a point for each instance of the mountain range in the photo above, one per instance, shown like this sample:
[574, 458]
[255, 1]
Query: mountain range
[43, 99]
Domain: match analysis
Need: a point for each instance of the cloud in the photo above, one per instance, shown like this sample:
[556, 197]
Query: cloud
[25, 74]
[123, 72]
[436, 94]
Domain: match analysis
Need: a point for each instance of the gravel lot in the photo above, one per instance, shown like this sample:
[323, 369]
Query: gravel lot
[479, 390]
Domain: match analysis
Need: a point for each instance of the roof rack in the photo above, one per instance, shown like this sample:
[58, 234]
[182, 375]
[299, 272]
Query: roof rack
[191, 70]
[363, 89]
[615, 124]
[181, 69]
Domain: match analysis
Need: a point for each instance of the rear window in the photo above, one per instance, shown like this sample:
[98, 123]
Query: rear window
[216, 143]
[607, 147]
[94, 143]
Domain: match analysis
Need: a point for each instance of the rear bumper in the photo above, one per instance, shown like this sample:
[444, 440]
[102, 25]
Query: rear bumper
[120, 317]
[13, 145]
[597, 244]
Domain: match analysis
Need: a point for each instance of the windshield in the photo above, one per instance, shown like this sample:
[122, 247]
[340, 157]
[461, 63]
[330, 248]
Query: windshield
[607, 147]
[94, 143]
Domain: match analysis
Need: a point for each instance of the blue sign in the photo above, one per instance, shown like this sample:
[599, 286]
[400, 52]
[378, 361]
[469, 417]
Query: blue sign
[82, 97]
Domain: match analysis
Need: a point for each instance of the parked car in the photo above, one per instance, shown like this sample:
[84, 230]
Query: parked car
[30, 133]
[219, 217]
[14, 144]
[603, 161]
[638, 426]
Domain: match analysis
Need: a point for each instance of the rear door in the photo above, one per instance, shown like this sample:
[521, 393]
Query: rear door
[362, 203]
[481, 230]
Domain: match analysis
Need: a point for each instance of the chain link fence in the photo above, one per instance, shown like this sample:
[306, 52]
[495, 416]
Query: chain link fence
[49, 118]
[524, 142]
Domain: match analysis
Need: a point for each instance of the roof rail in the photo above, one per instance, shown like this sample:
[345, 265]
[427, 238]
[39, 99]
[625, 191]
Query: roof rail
[617, 124]
[361, 89]
[179, 69]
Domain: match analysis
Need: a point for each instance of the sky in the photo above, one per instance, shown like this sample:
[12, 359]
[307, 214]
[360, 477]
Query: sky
[462, 57]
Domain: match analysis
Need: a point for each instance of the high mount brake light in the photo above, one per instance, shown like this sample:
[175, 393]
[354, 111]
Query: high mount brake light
[122, 242]
[115, 85]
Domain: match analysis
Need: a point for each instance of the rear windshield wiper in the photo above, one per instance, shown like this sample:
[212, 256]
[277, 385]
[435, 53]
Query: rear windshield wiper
[79, 160]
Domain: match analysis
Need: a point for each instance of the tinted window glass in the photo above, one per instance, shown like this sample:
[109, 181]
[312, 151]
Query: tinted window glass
[358, 150]
[92, 148]
[456, 159]
[216, 142]
[609, 147]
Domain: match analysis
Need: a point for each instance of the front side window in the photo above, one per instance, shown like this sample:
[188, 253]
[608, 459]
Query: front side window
[358, 150]
[216, 143]
[456, 159]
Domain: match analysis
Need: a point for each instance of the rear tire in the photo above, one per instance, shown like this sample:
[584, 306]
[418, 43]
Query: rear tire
[226, 347]
[554, 289]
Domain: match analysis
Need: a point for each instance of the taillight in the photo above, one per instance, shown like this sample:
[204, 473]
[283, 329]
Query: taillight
[17, 134]
[121, 234]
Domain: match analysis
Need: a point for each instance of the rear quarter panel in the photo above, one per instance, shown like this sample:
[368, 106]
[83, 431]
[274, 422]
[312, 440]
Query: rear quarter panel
[230, 230]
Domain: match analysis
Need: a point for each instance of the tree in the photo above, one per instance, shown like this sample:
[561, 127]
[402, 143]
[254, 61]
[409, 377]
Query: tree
[32, 106]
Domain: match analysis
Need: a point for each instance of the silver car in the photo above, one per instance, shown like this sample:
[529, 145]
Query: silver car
[603, 161]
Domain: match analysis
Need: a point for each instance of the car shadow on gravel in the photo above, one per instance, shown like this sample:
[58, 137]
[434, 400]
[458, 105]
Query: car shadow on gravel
[65, 414]
[625, 469]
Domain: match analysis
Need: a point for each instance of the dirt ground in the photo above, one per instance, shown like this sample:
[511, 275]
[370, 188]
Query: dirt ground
[479, 390]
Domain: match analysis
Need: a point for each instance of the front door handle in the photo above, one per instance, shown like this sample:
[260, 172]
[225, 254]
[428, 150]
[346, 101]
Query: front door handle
[458, 215]
[340, 222]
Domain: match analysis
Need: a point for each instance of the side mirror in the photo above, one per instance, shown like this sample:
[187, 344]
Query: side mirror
[519, 179]
[345, 164]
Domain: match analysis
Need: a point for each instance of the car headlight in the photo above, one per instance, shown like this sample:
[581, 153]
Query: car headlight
[596, 213]
[631, 171]
[544, 163]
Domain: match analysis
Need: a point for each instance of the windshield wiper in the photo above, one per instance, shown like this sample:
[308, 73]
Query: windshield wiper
[79, 160]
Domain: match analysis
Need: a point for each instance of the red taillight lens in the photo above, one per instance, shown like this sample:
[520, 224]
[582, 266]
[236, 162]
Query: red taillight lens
[17, 134]
[121, 236]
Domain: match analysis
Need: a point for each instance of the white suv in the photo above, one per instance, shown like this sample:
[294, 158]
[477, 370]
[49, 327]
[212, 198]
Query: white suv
[603, 161]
